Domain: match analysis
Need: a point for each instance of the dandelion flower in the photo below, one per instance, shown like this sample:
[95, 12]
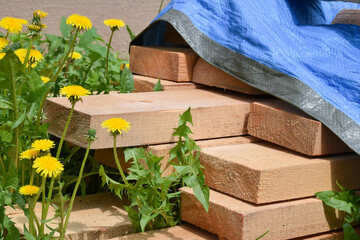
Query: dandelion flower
[43, 145]
[48, 166]
[75, 55]
[2, 55]
[116, 125]
[39, 14]
[13, 25]
[35, 56]
[45, 79]
[3, 43]
[79, 22]
[127, 65]
[31, 153]
[74, 92]
[114, 24]
[29, 190]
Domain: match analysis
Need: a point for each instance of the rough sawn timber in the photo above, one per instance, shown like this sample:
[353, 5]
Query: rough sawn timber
[169, 63]
[147, 84]
[279, 122]
[234, 219]
[347, 16]
[205, 73]
[152, 115]
[264, 173]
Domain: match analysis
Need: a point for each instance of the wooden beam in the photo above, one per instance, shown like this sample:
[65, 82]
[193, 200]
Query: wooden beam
[347, 16]
[285, 125]
[169, 63]
[153, 115]
[209, 75]
[263, 172]
[147, 84]
[234, 219]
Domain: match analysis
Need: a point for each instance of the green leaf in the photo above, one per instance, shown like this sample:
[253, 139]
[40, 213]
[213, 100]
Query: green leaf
[262, 235]
[10, 178]
[343, 201]
[134, 217]
[349, 232]
[18, 121]
[87, 38]
[28, 235]
[134, 153]
[13, 232]
[126, 81]
[10, 71]
[114, 186]
[64, 28]
[186, 117]
[132, 36]
[6, 136]
[158, 86]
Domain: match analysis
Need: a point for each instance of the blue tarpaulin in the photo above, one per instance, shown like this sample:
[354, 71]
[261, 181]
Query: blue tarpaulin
[287, 48]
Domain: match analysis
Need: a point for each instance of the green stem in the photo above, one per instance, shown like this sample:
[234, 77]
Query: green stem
[118, 163]
[43, 214]
[107, 54]
[32, 175]
[75, 189]
[31, 221]
[15, 157]
[7, 34]
[73, 151]
[2, 163]
[38, 117]
[42, 189]
[27, 55]
[65, 57]
[47, 205]
[65, 130]
[162, 1]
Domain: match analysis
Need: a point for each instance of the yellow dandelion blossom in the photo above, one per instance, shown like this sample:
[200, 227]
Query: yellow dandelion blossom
[31, 153]
[114, 24]
[35, 56]
[3, 43]
[48, 166]
[13, 25]
[34, 27]
[45, 79]
[75, 55]
[39, 14]
[116, 125]
[43, 145]
[2, 55]
[29, 190]
[79, 22]
[128, 66]
[74, 92]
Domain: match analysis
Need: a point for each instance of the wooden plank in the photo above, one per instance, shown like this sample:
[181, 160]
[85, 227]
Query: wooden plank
[285, 125]
[209, 75]
[106, 156]
[234, 219]
[152, 115]
[97, 216]
[263, 172]
[147, 84]
[347, 16]
[169, 63]
[182, 232]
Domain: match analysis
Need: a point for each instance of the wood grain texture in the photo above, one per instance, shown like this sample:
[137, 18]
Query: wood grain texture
[209, 75]
[264, 173]
[234, 219]
[169, 63]
[347, 16]
[285, 125]
[147, 84]
[152, 115]
[106, 156]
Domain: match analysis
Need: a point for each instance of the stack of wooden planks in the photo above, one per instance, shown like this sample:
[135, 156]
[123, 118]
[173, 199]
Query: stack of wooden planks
[263, 158]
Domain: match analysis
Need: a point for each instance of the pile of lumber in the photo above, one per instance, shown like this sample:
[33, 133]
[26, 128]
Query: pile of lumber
[263, 158]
